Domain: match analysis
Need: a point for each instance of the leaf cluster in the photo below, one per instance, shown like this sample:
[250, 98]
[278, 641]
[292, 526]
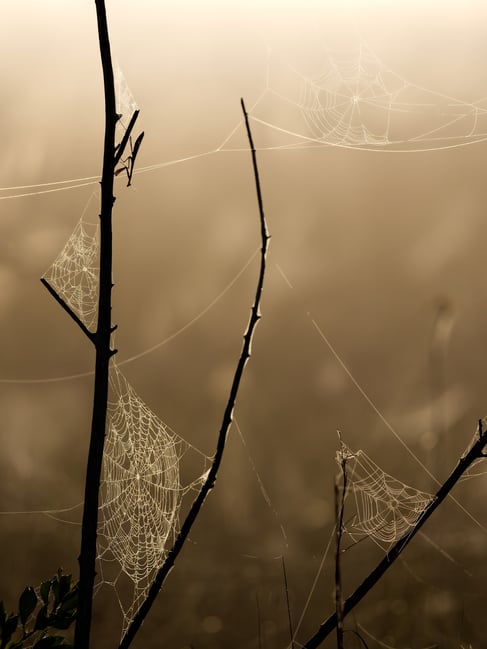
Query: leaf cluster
[52, 606]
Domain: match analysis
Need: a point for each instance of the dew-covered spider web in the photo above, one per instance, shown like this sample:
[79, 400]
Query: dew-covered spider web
[355, 101]
[142, 489]
[74, 272]
[386, 508]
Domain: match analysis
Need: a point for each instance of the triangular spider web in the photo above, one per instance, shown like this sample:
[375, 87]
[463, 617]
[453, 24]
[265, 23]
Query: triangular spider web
[386, 508]
[141, 494]
[125, 103]
[74, 273]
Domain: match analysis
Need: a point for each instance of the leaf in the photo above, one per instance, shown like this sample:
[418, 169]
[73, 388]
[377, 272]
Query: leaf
[64, 586]
[42, 619]
[49, 641]
[16, 645]
[70, 603]
[7, 629]
[44, 590]
[60, 622]
[27, 604]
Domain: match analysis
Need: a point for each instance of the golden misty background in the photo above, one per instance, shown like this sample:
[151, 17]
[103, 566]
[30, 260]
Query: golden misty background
[379, 247]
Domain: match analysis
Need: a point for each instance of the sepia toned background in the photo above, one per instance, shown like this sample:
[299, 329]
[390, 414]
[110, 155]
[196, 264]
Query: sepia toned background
[376, 265]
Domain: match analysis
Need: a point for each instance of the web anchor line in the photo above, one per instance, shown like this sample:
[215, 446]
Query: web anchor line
[355, 102]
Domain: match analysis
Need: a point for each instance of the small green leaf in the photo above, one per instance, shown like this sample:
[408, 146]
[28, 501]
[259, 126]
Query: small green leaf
[64, 586]
[27, 604]
[49, 641]
[61, 623]
[55, 590]
[42, 619]
[16, 645]
[8, 629]
[44, 590]
[70, 602]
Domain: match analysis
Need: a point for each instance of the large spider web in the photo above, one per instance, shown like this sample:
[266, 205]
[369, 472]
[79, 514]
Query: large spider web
[355, 101]
[74, 272]
[386, 508]
[142, 488]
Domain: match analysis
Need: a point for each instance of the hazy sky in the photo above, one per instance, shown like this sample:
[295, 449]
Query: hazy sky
[377, 216]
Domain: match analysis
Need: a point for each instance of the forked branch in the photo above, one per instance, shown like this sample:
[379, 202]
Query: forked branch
[475, 453]
[226, 422]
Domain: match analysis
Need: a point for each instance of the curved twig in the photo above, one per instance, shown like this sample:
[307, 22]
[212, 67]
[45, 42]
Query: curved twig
[225, 426]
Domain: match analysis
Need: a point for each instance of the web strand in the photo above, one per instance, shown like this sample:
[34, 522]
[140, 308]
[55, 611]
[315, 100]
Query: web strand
[355, 102]
[388, 425]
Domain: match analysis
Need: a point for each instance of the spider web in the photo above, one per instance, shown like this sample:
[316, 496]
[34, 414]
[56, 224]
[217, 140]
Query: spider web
[74, 273]
[141, 493]
[357, 102]
[125, 104]
[386, 508]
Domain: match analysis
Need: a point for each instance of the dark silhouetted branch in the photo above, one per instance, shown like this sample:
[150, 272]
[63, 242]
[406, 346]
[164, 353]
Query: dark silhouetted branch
[288, 605]
[87, 555]
[225, 426]
[68, 310]
[339, 512]
[475, 453]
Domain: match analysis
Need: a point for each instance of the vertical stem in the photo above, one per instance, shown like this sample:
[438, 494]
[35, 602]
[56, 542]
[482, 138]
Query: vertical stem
[289, 615]
[339, 510]
[87, 556]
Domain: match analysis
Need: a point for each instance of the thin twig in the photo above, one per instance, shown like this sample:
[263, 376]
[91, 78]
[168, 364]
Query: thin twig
[68, 310]
[225, 426]
[339, 512]
[289, 616]
[259, 623]
[475, 453]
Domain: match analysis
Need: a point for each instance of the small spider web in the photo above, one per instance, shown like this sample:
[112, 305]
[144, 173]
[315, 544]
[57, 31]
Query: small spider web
[470, 472]
[125, 103]
[386, 508]
[74, 273]
[142, 489]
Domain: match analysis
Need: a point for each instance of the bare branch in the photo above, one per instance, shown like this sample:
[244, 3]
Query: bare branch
[87, 556]
[288, 605]
[68, 310]
[339, 512]
[225, 426]
[475, 453]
